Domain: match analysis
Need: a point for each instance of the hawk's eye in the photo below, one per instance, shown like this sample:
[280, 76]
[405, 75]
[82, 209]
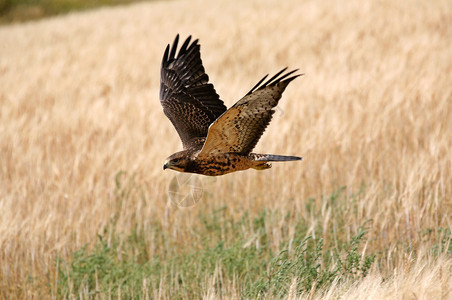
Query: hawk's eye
[176, 160]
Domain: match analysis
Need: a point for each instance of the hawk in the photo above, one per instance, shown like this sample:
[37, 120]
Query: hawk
[215, 140]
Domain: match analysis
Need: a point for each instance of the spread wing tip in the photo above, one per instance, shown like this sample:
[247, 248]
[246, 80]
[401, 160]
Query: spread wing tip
[275, 79]
[174, 47]
[171, 49]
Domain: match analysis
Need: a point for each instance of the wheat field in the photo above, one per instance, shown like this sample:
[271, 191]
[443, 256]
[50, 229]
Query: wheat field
[83, 141]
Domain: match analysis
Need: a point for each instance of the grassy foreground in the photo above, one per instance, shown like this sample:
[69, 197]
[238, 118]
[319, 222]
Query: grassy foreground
[228, 251]
[87, 211]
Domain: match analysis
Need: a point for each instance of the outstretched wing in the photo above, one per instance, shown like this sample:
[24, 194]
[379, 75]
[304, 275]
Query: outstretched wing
[239, 129]
[188, 100]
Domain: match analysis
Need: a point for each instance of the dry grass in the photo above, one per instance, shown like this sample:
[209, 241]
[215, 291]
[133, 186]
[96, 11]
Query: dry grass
[79, 103]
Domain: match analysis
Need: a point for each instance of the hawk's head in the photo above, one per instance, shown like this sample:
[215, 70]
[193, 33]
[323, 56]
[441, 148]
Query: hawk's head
[178, 161]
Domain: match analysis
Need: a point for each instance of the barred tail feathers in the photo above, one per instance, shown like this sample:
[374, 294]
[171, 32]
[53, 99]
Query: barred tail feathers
[272, 157]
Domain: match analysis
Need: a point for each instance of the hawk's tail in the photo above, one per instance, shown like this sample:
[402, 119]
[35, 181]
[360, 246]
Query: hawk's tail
[271, 157]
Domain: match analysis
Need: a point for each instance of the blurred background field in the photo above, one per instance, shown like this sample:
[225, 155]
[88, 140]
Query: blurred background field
[85, 206]
[25, 10]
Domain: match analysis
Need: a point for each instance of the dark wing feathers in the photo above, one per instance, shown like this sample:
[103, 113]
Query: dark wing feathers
[188, 100]
[240, 128]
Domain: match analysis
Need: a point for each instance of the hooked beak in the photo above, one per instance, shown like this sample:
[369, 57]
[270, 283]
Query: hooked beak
[165, 166]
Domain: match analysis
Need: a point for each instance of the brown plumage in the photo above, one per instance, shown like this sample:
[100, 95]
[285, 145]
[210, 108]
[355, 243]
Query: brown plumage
[216, 141]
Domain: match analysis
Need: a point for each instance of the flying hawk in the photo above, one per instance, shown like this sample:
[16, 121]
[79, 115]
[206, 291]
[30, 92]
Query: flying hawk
[215, 140]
